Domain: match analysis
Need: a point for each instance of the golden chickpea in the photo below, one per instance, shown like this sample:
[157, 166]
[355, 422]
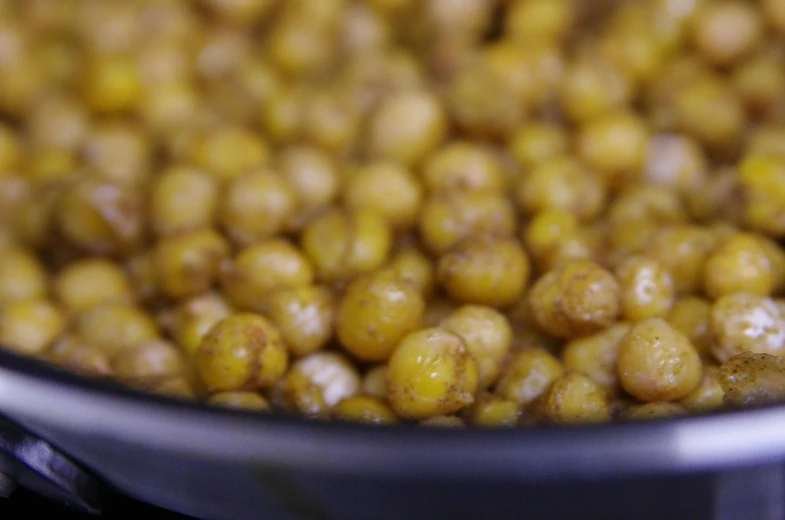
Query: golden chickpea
[658, 363]
[257, 205]
[547, 229]
[488, 271]
[243, 351]
[415, 267]
[776, 257]
[492, 410]
[189, 263]
[527, 374]
[406, 126]
[240, 400]
[169, 107]
[174, 387]
[574, 399]
[760, 82]
[463, 165]
[647, 289]
[596, 355]
[304, 317]
[119, 152]
[116, 327]
[157, 358]
[72, 353]
[746, 322]
[241, 12]
[140, 270]
[364, 30]
[229, 151]
[635, 51]
[49, 165]
[430, 373]
[690, 315]
[447, 219]
[709, 110]
[539, 20]
[101, 218]
[726, 30]
[341, 245]
[182, 199]
[376, 312]
[708, 395]
[111, 84]
[535, 143]
[762, 180]
[561, 183]
[739, 264]
[647, 202]
[682, 251]
[375, 382]
[364, 409]
[591, 87]
[389, 189]
[615, 145]
[720, 198]
[90, 282]
[300, 48]
[575, 299]
[318, 382]
[260, 270]
[653, 411]
[193, 318]
[22, 276]
[676, 162]
[443, 421]
[30, 326]
[313, 176]
[751, 379]
[487, 335]
[10, 150]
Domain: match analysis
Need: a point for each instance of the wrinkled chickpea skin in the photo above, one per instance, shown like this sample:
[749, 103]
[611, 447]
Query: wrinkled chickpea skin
[512, 213]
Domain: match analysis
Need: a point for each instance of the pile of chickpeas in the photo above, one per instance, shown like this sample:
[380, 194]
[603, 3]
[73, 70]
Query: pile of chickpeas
[437, 212]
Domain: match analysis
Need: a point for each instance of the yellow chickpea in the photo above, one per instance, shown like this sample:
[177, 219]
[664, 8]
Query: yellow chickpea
[596, 355]
[189, 263]
[116, 327]
[535, 143]
[304, 316]
[229, 151]
[726, 30]
[119, 152]
[30, 326]
[615, 146]
[364, 409]
[575, 299]
[183, 199]
[708, 395]
[746, 322]
[87, 283]
[375, 382]
[152, 359]
[653, 411]
[647, 289]
[389, 189]
[762, 180]
[657, 362]
[690, 315]
[415, 267]
[240, 400]
[376, 312]
[574, 399]
[739, 264]
[591, 87]
[314, 177]
[682, 251]
[430, 373]
[760, 81]
[677, 162]
[547, 229]
[193, 318]
[539, 20]
[709, 110]
[22, 276]
[527, 374]
[318, 382]
[111, 84]
[463, 166]
[490, 410]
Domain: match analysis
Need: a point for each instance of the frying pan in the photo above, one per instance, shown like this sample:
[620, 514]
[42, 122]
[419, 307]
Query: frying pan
[71, 437]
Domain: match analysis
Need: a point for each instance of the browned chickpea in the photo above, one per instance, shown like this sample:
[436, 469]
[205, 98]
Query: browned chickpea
[653, 411]
[647, 289]
[342, 245]
[463, 165]
[376, 312]
[575, 299]
[257, 205]
[243, 351]
[561, 183]
[690, 315]
[752, 379]
[726, 30]
[304, 316]
[739, 264]
[615, 146]
[260, 270]
[574, 399]
[183, 199]
[746, 322]
[189, 263]
[446, 220]
[527, 374]
[430, 373]
[596, 355]
[487, 271]
[774, 13]
[657, 362]
[389, 189]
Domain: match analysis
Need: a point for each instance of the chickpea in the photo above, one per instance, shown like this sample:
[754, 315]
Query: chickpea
[463, 166]
[140, 271]
[255, 206]
[151, 359]
[72, 353]
[767, 140]
[492, 410]
[653, 411]
[430, 373]
[10, 150]
[527, 374]
[596, 355]
[240, 400]
[591, 87]
[242, 351]
[709, 110]
[376, 312]
[535, 143]
[547, 229]
[375, 382]
[574, 399]
[677, 162]
[416, 268]
[746, 322]
[762, 180]
[364, 409]
[760, 82]
[406, 127]
[115, 327]
[615, 146]
[739, 264]
[341, 245]
[111, 84]
[487, 271]
[304, 316]
[726, 30]
[774, 13]
[193, 318]
[230, 151]
[647, 202]
[318, 382]
[708, 395]
[189, 263]
[682, 251]
[690, 315]
[87, 283]
[119, 153]
[561, 183]
[22, 276]
[387, 188]
[539, 20]
[647, 289]
[183, 199]
[260, 270]
[30, 326]
[752, 379]
[313, 176]
[575, 299]
[657, 362]
[241, 12]
[448, 219]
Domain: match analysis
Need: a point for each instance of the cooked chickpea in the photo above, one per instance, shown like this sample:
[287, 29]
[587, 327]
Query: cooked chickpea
[762, 179]
[708, 395]
[30, 326]
[746, 322]
[389, 189]
[363, 409]
[596, 355]
[430, 373]
[72, 353]
[682, 251]
[647, 289]
[111, 84]
[446, 220]
[314, 178]
[119, 153]
[87, 283]
[318, 382]
[615, 146]
[725, 30]
[575, 299]
[658, 363]
[10, 150]
[535, 143]
[591, 87]
[752, 379]
[489, 271]
[116, 327]
[341, 245]
[193, 318]
[760, 83]
[22, 276]
[690, 315]
[375, 382]
[304, 316]
[230, 151]
[527, 374]
[157, 358]
[188, 264]
[240, 400]
[416, 268]
[677, 162]
[739, 264]
[647, 202]
[708, 109]
[183, 199]
[376, 312]
[653, 411]
[492, 410]
[463, 166]
[574, 399]
[241, 352]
